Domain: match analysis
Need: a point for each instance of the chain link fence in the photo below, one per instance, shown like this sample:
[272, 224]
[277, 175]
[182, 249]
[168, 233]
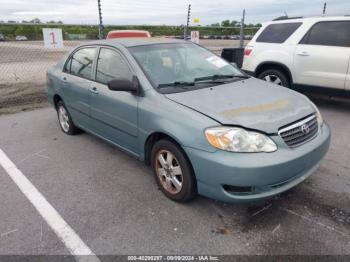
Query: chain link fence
[23, 66]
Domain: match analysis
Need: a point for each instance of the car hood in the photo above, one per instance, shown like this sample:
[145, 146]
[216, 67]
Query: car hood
[249, 103]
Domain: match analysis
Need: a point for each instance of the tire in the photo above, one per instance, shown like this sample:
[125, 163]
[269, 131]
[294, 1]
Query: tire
[275, 76]
[65, 120]
[169, 175]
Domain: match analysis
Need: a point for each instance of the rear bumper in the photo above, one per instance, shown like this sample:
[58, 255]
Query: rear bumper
[261, 175]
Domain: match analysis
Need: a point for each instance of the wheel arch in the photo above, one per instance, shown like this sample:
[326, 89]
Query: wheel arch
[274, 65]
[157, 136]
[56, 99]
[152, 139]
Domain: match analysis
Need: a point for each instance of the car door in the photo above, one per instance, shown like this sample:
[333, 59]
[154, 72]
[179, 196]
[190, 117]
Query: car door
[322, 56]
[76, 82]
[114, 113]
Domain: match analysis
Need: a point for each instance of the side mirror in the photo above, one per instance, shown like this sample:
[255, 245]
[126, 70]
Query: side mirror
[123, 84]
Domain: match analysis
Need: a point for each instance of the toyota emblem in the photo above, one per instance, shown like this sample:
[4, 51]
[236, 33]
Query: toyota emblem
[305, 129]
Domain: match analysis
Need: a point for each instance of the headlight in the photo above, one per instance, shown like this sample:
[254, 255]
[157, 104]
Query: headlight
[236, 139]
[318, 115]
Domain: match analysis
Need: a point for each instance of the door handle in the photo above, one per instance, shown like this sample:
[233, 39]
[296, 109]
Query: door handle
[303, 54]
[94, 90]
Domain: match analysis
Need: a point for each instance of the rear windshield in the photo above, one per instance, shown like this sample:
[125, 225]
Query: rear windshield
[277, 33]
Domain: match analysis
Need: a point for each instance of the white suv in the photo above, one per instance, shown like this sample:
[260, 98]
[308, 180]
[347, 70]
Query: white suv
[302, 53]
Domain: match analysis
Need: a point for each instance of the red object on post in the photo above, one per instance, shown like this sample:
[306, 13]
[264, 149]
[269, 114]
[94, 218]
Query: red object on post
[127, 34]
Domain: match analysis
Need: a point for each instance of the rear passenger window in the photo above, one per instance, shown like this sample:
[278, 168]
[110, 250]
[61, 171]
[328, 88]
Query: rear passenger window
[335, 33]
[81, 62]
[277, 33]
[111, 65]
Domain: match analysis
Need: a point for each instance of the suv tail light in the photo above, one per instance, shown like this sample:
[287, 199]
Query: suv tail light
[248, 50]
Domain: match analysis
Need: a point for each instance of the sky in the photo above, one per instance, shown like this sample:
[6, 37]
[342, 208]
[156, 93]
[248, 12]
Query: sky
[163, 12]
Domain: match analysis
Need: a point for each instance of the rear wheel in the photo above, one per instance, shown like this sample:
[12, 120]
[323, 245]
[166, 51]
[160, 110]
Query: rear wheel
[65, 120]
[275, 76]
[173, 171]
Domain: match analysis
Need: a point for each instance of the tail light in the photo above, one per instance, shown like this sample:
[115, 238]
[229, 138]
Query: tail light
[248, 50]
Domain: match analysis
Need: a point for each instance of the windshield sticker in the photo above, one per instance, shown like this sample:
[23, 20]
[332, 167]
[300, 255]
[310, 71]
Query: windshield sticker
[217, 61]
[167, 62]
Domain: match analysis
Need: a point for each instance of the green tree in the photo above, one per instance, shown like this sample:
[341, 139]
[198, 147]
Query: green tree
[28, 31]
[225, 23]
[234, 23]
[35, 21]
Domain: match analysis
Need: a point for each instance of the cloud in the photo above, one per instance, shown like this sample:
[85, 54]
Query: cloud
[37, 13]
[162, 11]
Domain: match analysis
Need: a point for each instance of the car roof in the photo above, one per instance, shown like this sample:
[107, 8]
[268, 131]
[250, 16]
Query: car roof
[308, 19]
[131, 42]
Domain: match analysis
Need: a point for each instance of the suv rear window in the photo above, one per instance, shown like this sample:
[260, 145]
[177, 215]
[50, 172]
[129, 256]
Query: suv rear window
[335, 33]
[277, 33]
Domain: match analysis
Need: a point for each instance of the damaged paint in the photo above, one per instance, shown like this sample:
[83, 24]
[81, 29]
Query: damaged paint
[251, 103]
[274, 106]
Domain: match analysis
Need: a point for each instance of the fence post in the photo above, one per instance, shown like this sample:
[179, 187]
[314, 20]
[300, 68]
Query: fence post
[100, 26]
[241, 32]
[324, 8]
[188, 21]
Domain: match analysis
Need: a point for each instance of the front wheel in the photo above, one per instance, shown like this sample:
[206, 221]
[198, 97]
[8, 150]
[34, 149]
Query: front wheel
[275, 76]
[173, 171]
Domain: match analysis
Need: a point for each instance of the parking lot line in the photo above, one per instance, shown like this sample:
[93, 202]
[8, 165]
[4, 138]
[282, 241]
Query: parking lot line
[70, 239]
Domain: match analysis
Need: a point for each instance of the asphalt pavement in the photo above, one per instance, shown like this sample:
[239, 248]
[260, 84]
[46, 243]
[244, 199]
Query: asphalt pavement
[112, 202]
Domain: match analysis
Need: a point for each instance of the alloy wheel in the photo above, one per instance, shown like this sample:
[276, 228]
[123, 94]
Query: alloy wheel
[63, 118]
[169, 171]
[273, 79]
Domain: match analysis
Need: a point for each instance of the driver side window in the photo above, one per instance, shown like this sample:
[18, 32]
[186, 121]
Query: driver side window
[111, 65]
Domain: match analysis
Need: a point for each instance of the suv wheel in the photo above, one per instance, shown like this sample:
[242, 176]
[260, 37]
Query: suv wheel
[275, 76]
[172, 171]
[65, 120]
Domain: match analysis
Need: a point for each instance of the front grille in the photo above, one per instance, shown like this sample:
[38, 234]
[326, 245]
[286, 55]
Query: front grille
[300, 132]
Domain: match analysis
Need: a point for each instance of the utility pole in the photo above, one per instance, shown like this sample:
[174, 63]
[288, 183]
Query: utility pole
[188, 21]
[324, 8]
[100, 26]
[241, 32]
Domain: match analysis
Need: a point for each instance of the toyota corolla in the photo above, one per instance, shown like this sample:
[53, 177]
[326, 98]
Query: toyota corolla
[203, 126]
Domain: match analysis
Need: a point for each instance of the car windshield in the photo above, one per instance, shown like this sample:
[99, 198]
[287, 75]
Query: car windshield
[183, 66]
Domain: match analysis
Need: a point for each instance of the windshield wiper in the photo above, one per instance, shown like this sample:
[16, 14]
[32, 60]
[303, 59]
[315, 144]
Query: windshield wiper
[181, 84]
[212, 79]
[218, 77]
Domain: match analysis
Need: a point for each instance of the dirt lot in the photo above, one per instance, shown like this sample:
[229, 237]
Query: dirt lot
[23, 68]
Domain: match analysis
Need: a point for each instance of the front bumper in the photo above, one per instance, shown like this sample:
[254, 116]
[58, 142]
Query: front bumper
[264, 174]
